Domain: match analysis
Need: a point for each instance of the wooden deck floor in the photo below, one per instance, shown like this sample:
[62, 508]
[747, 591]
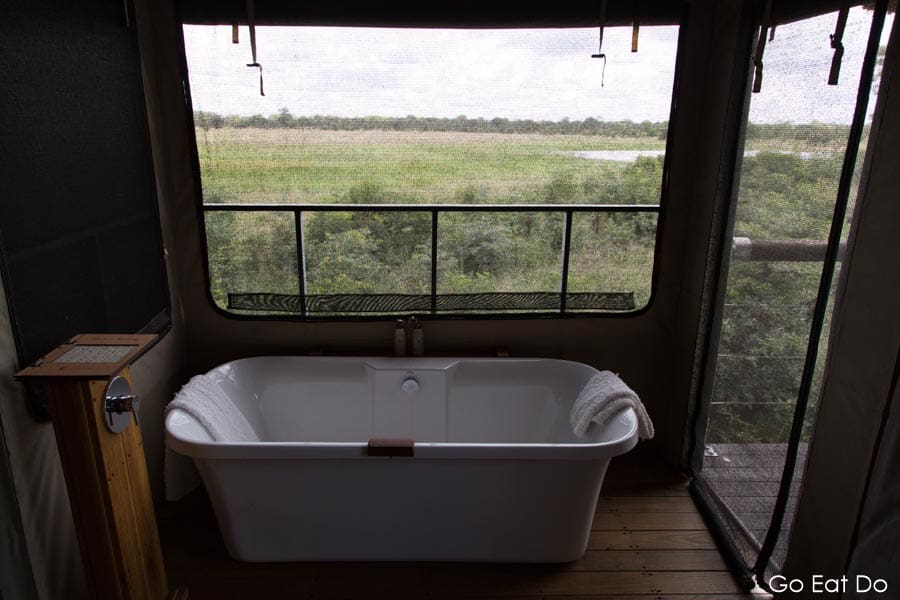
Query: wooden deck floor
[647, 541]
[747, 477]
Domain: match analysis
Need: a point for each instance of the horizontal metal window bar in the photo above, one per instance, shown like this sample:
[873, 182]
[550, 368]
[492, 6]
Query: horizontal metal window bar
[743, 248]
[625, 208]
[769, 304]
[760, 356]
[761, 403]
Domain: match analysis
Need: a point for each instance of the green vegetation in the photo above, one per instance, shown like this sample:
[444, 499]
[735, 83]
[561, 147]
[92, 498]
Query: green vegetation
[284, 120]
[769, 305]
[387, 252]
[314, 166]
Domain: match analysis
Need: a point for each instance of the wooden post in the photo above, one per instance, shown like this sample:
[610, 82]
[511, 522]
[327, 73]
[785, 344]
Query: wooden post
[106, 474]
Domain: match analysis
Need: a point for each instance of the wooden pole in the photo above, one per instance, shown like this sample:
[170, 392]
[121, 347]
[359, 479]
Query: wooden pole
[106, 473]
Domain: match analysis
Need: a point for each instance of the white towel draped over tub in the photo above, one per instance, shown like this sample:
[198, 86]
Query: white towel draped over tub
[203, 399]
[602, 397]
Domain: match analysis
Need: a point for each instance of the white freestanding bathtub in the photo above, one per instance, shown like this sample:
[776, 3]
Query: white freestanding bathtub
[496, 473]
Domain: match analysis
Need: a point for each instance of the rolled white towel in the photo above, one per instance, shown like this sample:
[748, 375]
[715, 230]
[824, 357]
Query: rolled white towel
[203, 399]
[602, 397]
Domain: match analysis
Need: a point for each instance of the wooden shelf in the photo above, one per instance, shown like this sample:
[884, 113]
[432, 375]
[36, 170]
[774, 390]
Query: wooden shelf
[106, 472]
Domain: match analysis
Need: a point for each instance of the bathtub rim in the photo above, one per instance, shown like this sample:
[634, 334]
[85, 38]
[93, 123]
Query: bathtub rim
[210, 449]
[187, 436]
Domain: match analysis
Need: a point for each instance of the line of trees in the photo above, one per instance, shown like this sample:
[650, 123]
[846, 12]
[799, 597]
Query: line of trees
[817, 133]
[824, 135]
[284, 120]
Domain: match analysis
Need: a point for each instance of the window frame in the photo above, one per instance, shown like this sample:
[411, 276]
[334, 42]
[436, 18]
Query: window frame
[521, 314]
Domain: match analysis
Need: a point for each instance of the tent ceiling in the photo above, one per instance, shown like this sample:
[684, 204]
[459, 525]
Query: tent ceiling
[466, 13]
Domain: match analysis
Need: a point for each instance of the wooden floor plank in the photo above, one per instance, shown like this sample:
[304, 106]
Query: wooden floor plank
[456, 584]
[680, 521]
[593, 561]
[643, 597]
[646, 504]
[287, 590]
[741, 596]
[625, 488]
[449, 584]
[650, 560]
[247, 590]
[651, 540]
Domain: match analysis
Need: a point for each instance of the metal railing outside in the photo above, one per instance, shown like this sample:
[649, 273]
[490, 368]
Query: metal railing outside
[435, 210]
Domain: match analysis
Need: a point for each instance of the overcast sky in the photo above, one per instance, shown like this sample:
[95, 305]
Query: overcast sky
[516, 74]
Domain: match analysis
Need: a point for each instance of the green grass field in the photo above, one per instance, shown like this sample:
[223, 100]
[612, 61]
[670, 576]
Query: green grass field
[315, 166]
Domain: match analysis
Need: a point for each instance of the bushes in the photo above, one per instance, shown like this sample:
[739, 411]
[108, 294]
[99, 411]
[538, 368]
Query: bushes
[380, 252]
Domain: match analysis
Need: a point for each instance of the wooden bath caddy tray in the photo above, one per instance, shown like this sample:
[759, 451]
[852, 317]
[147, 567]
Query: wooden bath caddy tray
[90, 356]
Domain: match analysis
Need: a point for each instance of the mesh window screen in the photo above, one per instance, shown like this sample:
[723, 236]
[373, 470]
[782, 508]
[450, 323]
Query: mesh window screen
[487, 252]
[252, 251]
[795, 143]
[366, 117]
[614, 252]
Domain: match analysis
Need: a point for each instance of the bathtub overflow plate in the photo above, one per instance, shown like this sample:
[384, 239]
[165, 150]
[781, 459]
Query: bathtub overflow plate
[410, 385]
